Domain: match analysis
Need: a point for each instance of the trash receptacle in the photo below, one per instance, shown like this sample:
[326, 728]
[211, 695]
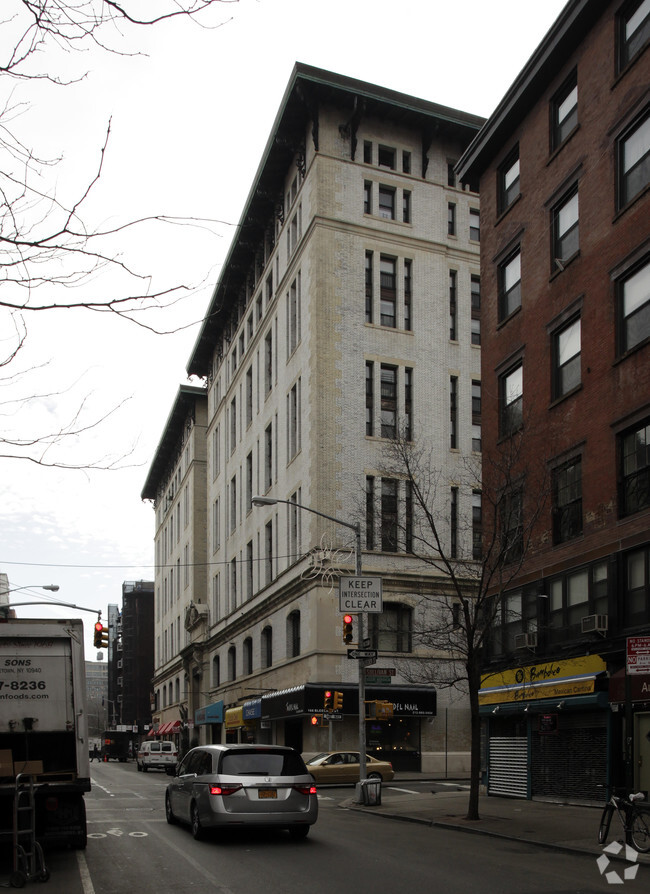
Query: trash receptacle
[369, 792]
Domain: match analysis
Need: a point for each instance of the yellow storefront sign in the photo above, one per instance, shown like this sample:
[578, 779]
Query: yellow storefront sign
[234, 718]
[548, 679]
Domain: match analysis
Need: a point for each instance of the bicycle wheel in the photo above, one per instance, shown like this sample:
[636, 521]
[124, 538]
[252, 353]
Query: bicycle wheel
[640, 831]
[605, 820]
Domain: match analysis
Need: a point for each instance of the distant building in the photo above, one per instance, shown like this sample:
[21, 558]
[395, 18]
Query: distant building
[563, 166]
[96, 696]
[130, 657]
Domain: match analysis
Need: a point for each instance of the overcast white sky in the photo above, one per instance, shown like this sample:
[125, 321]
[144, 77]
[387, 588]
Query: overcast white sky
[189, 121]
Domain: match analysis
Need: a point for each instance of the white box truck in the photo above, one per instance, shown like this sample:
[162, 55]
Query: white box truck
[43, 725]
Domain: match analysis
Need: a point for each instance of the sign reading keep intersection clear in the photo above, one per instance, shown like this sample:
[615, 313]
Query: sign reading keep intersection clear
[360, 594]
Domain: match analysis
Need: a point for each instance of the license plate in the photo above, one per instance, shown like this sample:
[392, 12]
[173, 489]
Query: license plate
[267, 793]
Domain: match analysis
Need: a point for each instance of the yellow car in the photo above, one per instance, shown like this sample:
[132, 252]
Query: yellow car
[342, 768]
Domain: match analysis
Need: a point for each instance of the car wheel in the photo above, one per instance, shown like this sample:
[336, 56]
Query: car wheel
[144, 768]
[197, 829]
[375, 776]
[299, 832]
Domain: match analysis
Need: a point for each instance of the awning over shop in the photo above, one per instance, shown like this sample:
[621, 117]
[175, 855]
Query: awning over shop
[546, 680]
[209, 714]
[162, 729]
[152, 732]
[175, 726]
[234, 717]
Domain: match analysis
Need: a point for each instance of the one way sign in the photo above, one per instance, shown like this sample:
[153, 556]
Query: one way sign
[363, 653]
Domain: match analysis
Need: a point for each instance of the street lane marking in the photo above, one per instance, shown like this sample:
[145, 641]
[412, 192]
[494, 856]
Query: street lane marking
[84, 874]
[407, 791]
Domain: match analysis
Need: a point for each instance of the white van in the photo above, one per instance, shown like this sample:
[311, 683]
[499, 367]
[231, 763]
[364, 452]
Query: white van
[160, 755]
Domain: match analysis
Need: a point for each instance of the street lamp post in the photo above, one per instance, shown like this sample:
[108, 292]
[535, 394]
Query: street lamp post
[356, 527]
[5, 606]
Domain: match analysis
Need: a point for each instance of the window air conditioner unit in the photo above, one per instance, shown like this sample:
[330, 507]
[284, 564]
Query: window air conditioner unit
[526, 641]
[594, 624]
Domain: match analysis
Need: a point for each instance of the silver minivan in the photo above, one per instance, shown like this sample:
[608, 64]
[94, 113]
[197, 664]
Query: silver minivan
[158, 755]
[242, 785]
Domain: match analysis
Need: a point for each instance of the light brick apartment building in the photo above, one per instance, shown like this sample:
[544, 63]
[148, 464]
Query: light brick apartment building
[348, 310]
[563, 166]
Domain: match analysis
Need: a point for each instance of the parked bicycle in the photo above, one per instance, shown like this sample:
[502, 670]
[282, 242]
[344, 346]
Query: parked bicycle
[635, 820]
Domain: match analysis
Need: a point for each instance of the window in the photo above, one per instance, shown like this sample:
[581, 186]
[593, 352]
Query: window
[370, 512]
[567, 501]
[406, 206]
[388, 376]
[634, 30]
[565, 231]
[216, 451]
[233, 424]
[408, 406]
[389, 515]
[477, 525]
[249, 395]
[233, 503]
[633, 151]
[391, 630]
[476, 309]
[476, 416]
[232, 663]
[267, 647]
[406, 162]
[293, 522]
[408, 284]
[474, 225]
[249, 569]
[388, 291]
[635, 469]
[293, 420]
[249, 481]
[509, 180]
[268, 362]
[386, 202]
[634, 308]
[293, 316]
[453, 306]
[369, 290]
[370, 398]
[566, 359]
[248, 656]
[293, 635]
[268, 537]
[564, 111]
[367, 152]
[216, 671]
[233, 585]
[451, 219]
[216, 530]
[511, 393]
[453, 523]
[451, 174]
[367, 197]
[268, 457]
[637, 587]
[509, 279]
[453, 412]
[573, 595]
[386, 157]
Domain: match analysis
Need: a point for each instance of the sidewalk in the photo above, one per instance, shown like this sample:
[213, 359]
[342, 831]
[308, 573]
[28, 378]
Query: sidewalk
[558, 826]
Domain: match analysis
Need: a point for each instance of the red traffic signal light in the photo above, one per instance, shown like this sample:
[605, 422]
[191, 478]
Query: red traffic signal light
[348, 630]
[97, 641]
[327, 701]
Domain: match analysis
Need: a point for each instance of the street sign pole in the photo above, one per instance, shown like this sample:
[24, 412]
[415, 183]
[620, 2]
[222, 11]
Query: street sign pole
[361, 666]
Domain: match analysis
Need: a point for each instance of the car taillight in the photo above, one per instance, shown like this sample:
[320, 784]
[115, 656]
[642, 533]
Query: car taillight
[305, 789]
[224, 789]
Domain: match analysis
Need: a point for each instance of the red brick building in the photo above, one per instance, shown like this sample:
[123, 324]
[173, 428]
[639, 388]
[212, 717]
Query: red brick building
[563, 167]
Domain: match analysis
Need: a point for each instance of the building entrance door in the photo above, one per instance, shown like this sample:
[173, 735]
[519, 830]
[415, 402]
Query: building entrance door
[642, 752]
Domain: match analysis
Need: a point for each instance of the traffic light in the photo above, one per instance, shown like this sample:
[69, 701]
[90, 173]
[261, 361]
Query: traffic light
[338, 700]
[315, 720]
[327, 702]
[348, 631]
[104, 637]
[97, 641]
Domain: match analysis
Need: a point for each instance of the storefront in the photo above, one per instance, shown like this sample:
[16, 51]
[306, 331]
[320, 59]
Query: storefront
[629, 696]
[548, 730]
[293, 717]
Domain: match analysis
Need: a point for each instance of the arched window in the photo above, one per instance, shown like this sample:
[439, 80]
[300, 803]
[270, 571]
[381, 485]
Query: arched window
[293, 634]
[216, 671]
[232, 663]
[178, 689]
[392, 630]
[267, 647]
[248, 655]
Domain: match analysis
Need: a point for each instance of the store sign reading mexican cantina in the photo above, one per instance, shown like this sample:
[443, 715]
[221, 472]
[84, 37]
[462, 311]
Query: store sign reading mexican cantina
[548, 679]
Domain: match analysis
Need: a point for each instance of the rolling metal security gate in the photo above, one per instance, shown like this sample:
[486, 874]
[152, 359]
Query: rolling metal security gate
[572, 764]
[508, 766]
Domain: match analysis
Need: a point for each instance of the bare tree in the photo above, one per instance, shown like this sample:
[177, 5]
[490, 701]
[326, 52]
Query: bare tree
[53, 257]
[474, 564]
